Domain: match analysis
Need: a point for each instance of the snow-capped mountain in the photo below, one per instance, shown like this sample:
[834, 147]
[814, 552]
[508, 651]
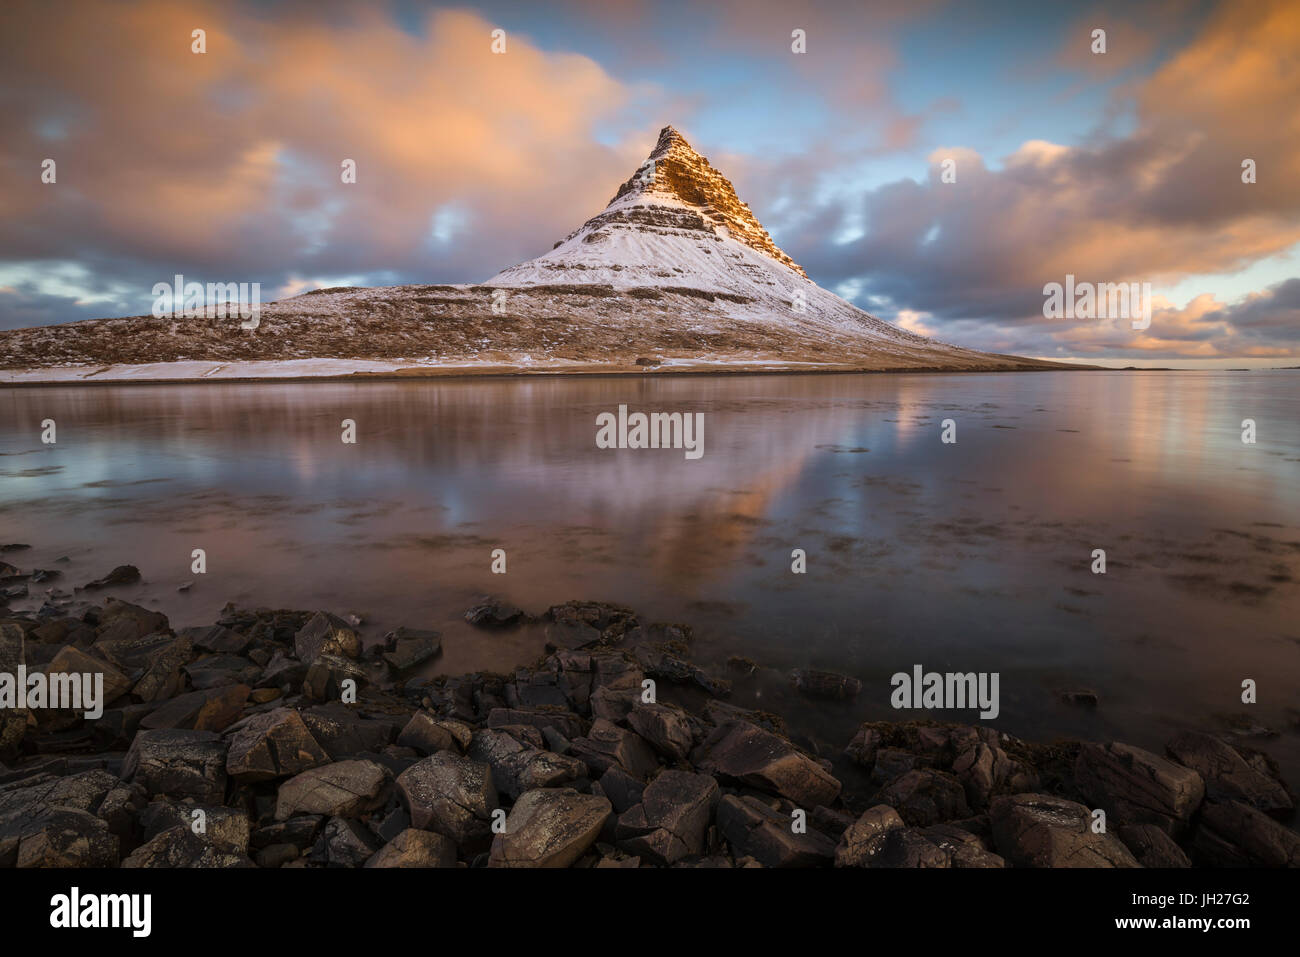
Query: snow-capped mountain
[675, 274]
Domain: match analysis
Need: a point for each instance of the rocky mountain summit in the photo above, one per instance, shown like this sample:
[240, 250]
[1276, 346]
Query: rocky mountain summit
[675, 274]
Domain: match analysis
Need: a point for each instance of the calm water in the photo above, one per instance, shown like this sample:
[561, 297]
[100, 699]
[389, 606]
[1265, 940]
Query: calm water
[973, 556]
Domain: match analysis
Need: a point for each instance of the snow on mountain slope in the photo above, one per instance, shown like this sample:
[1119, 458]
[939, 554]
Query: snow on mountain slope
[676, 274]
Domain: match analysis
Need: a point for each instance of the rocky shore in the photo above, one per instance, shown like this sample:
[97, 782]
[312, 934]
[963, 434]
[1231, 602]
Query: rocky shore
[275, 738]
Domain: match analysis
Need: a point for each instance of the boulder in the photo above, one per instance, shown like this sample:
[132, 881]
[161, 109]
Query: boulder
[672, 818]
[179, 846]
[411, 647]
[550, 827]
[606, 745]
[1235, 834]
[326, 634]
[66, 837]
[414, 848]
[746, 753]
[449, 794]
[755, 830]
[864, 840]
[272, 745]
[667, 728]
[342, 789]
[178, 764]
[1039, 830]
[344, 843]
[925, 796]
[825, 684]
[1152, 847]
[1135, 786]
[518, 767]
[1227, 775]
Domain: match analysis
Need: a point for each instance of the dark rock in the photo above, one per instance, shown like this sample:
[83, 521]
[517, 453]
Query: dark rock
[746, 753]
[753, 829]
[213, 710]
[272, 745]
[326, 675]
[413, 848]
[213, 671]
[342, 731]
[825, 684]
[549, 828]
[342, 789]
[621, 788]
[121, 575]
[449, 794]
[864, 840]
[326, 634]
[178, 764]
[344, 843]
[517, 767]
[1227, 775]
[1152, 847]
[1039, 830]
[566, 722]
[672, 818]
[1137, 787]
[495, 614]
[667, 728]
[1234, 834]
[412, 647]
[606, 745]
[926, 796]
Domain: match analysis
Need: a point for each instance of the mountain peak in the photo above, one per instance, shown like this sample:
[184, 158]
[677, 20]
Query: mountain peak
[676, 173]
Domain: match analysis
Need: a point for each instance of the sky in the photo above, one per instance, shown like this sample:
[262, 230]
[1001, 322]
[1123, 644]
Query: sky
[1117, 167]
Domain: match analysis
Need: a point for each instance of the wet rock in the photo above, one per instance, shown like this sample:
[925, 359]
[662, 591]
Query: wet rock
[326, 677]
[449, 794]
[549, 828]
[273, 745]
[925, 796]
[326, 634]
[213, 671]
[667, 729]
[121, 575]
[825, 684]
[570, 635]
[178, 764]
[623, 790]
[342, 789]
[300, 832]
[962, 848]
[986, 770]
[518, 767]
[495, 614]
[72, 660]
[1152, 847]
[414, 848]
[179, 846]
[344, 843]
[753, 829]
[606, 745]
[426, 735]
[909, 848]
[1234, 834]
[121, 619]
[342, 731]
[66, 837]
[412, 647]
[218, 825]
[283, 672]
[213, 710]
[672, 818]
[1039, 830]
[891, 763]
[864, 840]
[1137, 787]
[612, 704]
[1227, 775]
[746, 753]
[163, 666]
[217, 639]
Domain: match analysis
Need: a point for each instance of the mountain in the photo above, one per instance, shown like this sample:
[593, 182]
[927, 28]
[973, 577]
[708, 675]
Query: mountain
[675, 274]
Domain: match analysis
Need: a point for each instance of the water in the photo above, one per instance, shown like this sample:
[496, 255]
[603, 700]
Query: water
[967, 557]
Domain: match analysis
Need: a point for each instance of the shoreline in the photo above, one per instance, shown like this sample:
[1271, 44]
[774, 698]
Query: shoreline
[303, 748]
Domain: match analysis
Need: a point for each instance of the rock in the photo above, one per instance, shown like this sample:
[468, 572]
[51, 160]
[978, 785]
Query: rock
[517, 767]
[606, 745]
[672, 818]
[1083, 698]
[1152, 847]
[342, 731]
[326, 675]
[986, 770]
[825, 684]
[753, 829]
[667, 728]
[962, 848]
[217, 639]
[426, 735]
[213, 710]
[283, 672]
[1234, 834]
[412, 647]
[449, 794]
[276, 855]
[926, 796]
[342, 789]
[623, 790]
[549, 828]
[1039, 830]
[746, 753]
[414, 848]
[344, 843]
[66, 837]
[179, 846]
[163, 663]
[908, 848]
[178, 764]
[213, 671]
[494, 614]
[1227, 775]
[1137, 787]
[273, 745]
[299, 832]
[220, 825]
[72, 660]
[121, 575]
[865, 839]
[326, 634]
